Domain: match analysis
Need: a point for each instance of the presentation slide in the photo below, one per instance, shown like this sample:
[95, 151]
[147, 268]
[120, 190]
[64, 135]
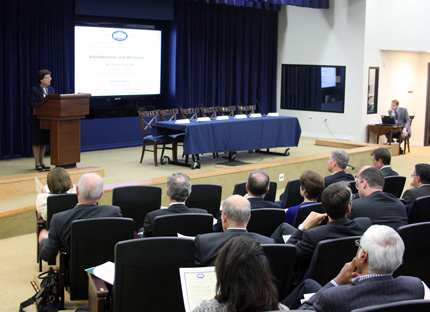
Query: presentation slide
[328, 77]
[117, 61]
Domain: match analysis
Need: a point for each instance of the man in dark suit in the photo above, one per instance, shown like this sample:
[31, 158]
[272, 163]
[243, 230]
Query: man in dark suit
[402, 118]
[336, 200]
[337, 163]
[257, 186]
[366, 280]
[420, 185]
[178, 188]
[382, 208]
[381, 159]
[236, 211]
[89, 191]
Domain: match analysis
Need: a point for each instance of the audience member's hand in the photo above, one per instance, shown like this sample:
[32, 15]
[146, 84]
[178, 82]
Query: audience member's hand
[313, 219]
[405, 132]
[43, 235]
[346, 275]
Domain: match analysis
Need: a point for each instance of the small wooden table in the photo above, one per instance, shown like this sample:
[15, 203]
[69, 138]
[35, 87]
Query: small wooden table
[383, 130]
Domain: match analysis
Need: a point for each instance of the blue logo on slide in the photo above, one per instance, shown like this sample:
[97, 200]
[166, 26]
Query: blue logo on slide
[119, 35]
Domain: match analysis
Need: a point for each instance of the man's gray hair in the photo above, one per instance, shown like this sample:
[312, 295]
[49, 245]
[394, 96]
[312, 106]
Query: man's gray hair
[237, 208]
[341, 157]
[384, 247]
[90, 186]
[178, 186]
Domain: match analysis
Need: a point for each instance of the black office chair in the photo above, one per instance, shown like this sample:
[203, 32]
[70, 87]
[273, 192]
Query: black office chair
[416, 258]
[419, 211]
[205, 196]
[394, 185]
[353, 187]
[292, 195]
[147, 275]
[240, 189]
[305, 210]
[282, 258]
[330, 256]
[399, 306]
[189, 224]
[92, 243]
[264, 221]
[136, 201]
[54, 203]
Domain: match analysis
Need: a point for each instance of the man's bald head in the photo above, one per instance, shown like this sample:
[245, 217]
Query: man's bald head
[236, 211]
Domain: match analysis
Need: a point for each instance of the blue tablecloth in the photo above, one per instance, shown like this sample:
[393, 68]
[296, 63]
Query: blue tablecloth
[234, 134]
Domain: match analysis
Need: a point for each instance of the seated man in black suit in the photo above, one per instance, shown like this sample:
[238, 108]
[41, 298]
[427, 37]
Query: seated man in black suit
[420, 185]
[337, 163]
[381, 159]
[366, 280]
[178, 188]
[235, 215]
[89, 191]
[336, 200]
[257, 186]
[382, 208]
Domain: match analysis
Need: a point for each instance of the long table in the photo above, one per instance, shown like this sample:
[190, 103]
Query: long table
[233, 134]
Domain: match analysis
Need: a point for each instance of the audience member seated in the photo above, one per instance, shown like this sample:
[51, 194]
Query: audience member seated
[420, 185]
[257, 186]
[311, 187]
[244, 279]
[235, 215]
[337, 163]
[178, 188]
[366, 280]
[89, 191]
[336, 200]
[59, 182]
[382, 208]
[381, 159]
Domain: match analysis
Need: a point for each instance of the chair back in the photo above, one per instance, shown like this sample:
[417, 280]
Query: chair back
[419, 211]
[58, 203]
[329, 257]
[353, 187]
[147, 274]
[418, 305]
[240, 189]
[92, 243]
[305, 210]
[282, 258]
[190, 113]
[146, 125]
[209, 111]
[394, 185]
[264, 221]
[247, 109]
[136, 201]
[227, 110]
[189, 224]
[416, 258]
[168, 114]
[292, 195]
[205, 196]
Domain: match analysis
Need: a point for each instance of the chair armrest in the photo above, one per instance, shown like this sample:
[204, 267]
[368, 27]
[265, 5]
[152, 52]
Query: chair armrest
[98, 294]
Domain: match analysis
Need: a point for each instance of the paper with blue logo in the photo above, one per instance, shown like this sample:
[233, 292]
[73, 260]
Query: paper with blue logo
[198, 284]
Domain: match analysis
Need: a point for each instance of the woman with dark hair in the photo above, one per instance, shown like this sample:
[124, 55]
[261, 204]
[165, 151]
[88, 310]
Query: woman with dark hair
[39, 138]
[244, 279]
[311, 188]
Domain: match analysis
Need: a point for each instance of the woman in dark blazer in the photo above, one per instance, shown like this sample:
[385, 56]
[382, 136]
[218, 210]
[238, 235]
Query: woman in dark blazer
[39, 138]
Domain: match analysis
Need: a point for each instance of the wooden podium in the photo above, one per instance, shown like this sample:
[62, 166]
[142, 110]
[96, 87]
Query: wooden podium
[61, 114]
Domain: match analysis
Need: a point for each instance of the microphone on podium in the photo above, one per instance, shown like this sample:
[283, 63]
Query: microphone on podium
[259, 106]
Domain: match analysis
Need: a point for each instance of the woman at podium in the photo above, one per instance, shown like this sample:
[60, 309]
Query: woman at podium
[39, 138]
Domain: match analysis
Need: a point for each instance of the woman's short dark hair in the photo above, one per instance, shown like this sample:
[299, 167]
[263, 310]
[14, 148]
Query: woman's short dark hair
[313, 183]
[244, 278]
[58, 181]
[42, 73]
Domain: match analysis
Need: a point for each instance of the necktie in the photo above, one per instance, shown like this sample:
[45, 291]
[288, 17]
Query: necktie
[397, 116]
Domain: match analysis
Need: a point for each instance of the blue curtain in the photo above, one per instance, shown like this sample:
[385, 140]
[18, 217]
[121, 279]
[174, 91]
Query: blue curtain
[36, 34]
[226, 55]
[270, 4]
[301, 87]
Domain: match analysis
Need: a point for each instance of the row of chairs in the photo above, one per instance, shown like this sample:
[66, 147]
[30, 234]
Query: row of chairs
[172, 141]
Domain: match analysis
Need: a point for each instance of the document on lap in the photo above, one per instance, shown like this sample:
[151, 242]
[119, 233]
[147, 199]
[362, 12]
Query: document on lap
[198, 284]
